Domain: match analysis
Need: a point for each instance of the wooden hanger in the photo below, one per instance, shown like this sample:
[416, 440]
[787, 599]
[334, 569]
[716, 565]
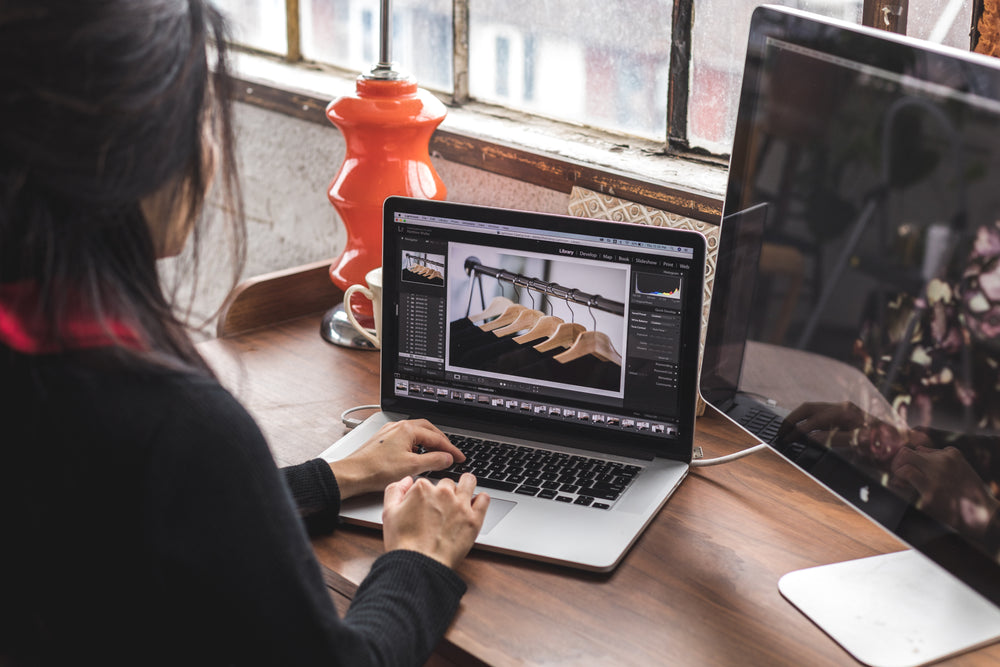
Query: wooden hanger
[565, 335]
[426, 272]
[509, 315]
[590, 342]
[545, 326]
[497, 306]
[525, 320]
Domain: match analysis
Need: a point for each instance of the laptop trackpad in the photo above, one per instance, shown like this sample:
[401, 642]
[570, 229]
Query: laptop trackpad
[498, 510]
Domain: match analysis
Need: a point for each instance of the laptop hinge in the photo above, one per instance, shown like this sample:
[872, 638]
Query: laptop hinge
[540, 435]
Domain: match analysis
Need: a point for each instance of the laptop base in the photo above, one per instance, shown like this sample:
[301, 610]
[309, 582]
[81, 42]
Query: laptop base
[562, 535]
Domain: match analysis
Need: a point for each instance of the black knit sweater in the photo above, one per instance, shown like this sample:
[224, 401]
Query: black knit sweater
[144, 522]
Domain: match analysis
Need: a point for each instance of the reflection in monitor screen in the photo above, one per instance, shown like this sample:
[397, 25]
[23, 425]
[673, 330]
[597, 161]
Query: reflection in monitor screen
[855, 321]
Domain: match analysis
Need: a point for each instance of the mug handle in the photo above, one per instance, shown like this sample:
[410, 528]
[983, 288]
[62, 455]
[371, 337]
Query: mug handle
[367, 293]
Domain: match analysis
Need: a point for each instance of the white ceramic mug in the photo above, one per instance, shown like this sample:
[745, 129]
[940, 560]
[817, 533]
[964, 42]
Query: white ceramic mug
[373, 292]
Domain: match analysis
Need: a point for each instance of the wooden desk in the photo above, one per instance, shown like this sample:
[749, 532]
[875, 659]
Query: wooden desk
[698, 588]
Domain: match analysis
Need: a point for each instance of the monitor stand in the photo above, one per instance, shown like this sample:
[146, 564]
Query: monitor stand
[897, 609]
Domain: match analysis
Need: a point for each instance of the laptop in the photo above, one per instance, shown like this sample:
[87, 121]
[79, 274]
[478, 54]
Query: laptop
[560, 354]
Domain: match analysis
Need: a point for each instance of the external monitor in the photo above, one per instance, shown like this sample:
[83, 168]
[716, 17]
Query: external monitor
[855, 315]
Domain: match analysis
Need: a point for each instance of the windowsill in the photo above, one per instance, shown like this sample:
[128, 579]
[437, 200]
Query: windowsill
[547, 153]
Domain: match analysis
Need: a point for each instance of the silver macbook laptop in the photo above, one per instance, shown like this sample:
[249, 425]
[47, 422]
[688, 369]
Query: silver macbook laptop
[560, 354]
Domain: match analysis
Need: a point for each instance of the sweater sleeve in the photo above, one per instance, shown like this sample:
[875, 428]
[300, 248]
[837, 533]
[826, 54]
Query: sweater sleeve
[401, 586]
[316, 495]
[227, 535]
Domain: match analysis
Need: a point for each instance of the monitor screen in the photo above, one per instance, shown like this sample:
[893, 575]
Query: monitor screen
[855, 315]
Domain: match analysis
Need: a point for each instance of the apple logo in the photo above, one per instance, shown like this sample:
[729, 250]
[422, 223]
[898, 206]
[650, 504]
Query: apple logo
[863, 493]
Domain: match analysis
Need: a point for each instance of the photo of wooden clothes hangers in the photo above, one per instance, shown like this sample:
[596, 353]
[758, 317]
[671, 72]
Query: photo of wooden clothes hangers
[425, 271]
[542, 339]
[546, 326]
[497, 307]
[514, 319]
[508, 317]
[424, 267]
[593, 342]
[558, 333]
[526, 320]
[577, 341]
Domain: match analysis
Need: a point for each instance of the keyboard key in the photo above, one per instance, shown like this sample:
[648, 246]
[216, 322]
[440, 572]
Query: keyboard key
[484, 482]
[444, 474]
[496, 484]
[603, 492]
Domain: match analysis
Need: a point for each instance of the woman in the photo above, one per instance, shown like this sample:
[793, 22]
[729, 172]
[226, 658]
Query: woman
[143, 518]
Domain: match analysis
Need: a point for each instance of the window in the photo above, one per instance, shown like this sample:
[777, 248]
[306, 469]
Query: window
[666, 70]
[260, 24]
[945, 21]
[346, 33]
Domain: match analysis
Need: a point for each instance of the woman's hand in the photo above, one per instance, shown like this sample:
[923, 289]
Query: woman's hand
[948, 488]
[439, 521]
[846, 426]
[392, 453]
[818, 422]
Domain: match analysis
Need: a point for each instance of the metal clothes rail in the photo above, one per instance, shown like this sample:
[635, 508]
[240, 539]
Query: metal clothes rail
[476, 269]
[423, 260]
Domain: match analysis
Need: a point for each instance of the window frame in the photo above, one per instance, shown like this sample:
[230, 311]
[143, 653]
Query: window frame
[484, 137]
[599, 169]
[890, 15]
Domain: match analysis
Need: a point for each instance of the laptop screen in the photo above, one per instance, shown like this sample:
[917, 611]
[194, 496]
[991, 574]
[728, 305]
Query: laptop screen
[555, 327]
[857, 270]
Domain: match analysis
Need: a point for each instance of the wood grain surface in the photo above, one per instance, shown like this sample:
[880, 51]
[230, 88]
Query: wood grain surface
[698, 588]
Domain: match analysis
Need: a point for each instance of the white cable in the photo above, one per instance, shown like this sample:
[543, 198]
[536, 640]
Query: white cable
[700, 463]
[351, 423]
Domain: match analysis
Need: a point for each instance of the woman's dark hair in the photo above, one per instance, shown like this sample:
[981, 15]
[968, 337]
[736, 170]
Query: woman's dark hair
[103, 103]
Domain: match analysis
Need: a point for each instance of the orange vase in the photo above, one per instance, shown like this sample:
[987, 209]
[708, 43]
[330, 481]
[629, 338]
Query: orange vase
[387, 126]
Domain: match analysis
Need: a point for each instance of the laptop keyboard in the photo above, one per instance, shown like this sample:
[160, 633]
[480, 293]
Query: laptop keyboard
[761, 423]
[764, 425]
[565, 478]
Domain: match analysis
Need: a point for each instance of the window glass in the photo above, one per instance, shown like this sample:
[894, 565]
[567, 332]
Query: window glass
[942, 21]
[258, 23]
[346, 33]
[719, 44]
[592, 62]
[599, 63]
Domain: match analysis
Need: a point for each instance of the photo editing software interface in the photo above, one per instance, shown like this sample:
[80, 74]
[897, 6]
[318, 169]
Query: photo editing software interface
[556, 326]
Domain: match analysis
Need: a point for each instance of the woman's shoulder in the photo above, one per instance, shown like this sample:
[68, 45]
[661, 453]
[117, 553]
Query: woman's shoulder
[150, 386]
[110, 405]
[186, 408]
